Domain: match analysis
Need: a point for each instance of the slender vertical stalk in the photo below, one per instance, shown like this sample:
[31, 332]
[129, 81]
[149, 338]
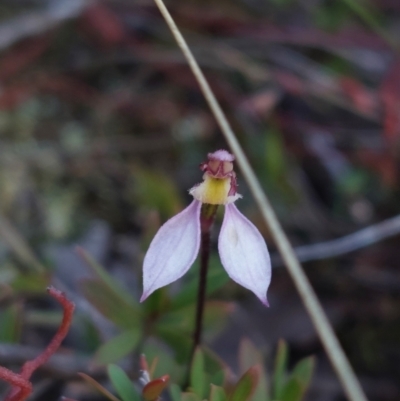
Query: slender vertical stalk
[207, 216]
[314, 308]
[201, 294]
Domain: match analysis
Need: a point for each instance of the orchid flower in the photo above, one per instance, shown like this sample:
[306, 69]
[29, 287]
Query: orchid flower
[242, 249]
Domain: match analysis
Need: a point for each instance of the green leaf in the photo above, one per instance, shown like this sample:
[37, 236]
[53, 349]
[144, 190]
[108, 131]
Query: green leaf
[216, 314]
[122, 384]
[180, 320]
[166, 364]
[275, 159]
[250, 356]
[158, 303]
[353, 182]
[106, 279]
[30, 282]
[217, 393]
[44, 318]
[156, 191]
[197, 374]
[292, 391]
[110, 304]
[279, 369]
[118, 347]
[298, 381]
[98, 386]
[215, 367]
[218, 378]
[369, 16]
[10, 324]
[304, 370]
[190, 397]
[180, 342]
[175, 392]
[246, 386]
[176, 327]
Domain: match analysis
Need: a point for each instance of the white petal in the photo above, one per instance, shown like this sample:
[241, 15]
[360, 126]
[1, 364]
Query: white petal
[173, 250]
[244, 253]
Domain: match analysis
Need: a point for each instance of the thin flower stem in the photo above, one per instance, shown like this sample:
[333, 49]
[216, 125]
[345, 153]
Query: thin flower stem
[201, 294]
[321, 323]
[207, 217]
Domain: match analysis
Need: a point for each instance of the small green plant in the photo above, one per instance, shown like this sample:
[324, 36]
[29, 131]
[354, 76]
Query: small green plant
[211, 380]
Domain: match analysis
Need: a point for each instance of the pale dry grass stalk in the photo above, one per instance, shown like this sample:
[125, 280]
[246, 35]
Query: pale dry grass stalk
[324, 329]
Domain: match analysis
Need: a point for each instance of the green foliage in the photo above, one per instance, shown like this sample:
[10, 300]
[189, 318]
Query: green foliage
[157, 191]
[217, 393]
[303, 371]
[208, 377]
[190, 397]
[118, 347]
[253, 384]
[246, 386]
[293, 386]
[175, 327]
[113, 301]
[31, 283]
[216, 279]
[171, 320]
[354, 182]
[282, 3]
[122, 384]
[249, 356]
[331, 16]
[371, 17]
[197, 374]
[9, 324]
[281, 360]
[88, 139]
[175, 392]
[154, 349]
[109, 303]
[275, 156]
[108, 281]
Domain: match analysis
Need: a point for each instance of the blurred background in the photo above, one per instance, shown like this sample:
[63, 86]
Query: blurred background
[103, 128]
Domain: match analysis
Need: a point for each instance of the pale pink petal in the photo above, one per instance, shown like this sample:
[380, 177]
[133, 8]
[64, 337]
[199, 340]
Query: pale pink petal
[173, 250]
[244, 253]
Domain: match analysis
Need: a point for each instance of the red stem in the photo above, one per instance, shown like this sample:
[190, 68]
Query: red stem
[29, 367]
[22, 388]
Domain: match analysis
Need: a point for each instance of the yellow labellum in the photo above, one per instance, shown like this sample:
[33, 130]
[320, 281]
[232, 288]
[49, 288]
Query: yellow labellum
[213, 191]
